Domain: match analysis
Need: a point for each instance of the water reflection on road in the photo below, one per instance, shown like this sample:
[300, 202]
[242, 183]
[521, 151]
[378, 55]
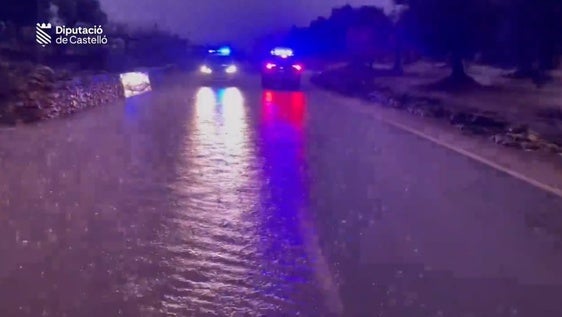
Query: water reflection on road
[234, 233]
[207, 202]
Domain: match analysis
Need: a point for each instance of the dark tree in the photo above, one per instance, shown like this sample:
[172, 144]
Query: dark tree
[329, 36]
[85, 11]
[19, 14]
[458, 28]
[399, 33]
[23, 12]
[379, 28]
[72, 12]
[535, 34]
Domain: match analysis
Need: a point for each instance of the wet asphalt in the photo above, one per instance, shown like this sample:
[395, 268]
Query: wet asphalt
[238, 201]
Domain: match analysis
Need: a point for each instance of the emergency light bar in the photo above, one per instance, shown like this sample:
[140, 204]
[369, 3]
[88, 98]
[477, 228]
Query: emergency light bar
[282, 52]
[223, 51]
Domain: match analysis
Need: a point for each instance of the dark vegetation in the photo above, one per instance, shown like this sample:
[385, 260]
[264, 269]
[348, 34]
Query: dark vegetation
[39, 83]
[523, 34]
[127, 48]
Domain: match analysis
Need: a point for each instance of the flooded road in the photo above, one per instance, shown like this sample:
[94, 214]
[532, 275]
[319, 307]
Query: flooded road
[199, 201]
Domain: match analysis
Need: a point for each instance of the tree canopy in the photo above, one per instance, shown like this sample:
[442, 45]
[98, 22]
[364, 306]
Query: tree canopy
[458, 28]
[28, 12]
[328, 35]
[23, 12]
[525, 32]
[85, 11]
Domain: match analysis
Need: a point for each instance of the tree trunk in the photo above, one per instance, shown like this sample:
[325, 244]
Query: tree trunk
[457, 66]
[548, 54]
[398, 67]
[525, 67]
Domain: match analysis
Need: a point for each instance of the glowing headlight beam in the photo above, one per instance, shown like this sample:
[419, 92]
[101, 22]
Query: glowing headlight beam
[206, 69]
[231, 69]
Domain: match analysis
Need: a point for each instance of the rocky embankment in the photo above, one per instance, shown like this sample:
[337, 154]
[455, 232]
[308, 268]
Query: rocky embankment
[492, 125]
[30, 93]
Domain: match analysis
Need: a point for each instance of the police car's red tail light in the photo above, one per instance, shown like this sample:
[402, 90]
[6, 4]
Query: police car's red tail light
[270, 65]
[298, 67]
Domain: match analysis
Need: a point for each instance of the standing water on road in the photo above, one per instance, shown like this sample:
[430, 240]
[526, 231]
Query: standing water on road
[202, 214]
[236, 231]
[189, 201]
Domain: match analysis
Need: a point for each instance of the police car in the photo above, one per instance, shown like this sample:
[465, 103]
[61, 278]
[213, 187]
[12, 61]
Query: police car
[219, 65]
[281, 69]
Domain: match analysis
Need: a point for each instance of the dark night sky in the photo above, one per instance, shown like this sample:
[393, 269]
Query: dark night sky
[238, 21]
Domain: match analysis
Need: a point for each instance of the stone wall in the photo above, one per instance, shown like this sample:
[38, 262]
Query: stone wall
[34, 93]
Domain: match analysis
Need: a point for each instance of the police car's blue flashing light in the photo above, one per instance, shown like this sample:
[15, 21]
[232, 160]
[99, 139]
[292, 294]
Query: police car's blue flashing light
[282, 52]
[223, 51]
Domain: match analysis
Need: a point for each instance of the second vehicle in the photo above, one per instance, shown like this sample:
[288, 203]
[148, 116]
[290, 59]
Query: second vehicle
[281, 69]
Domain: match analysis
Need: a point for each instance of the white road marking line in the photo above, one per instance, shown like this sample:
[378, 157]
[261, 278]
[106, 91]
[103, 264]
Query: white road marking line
[513, 173]
[472, 155]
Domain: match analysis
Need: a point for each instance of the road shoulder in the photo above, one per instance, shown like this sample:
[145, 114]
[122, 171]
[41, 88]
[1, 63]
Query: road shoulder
[542, 171]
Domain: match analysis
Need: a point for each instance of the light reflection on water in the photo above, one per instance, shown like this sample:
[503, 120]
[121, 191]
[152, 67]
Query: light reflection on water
[212, 233]
[294, 241]
[235, 233]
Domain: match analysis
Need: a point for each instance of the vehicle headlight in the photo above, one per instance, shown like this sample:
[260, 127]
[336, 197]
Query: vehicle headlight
[206, 69]
[231, 69]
